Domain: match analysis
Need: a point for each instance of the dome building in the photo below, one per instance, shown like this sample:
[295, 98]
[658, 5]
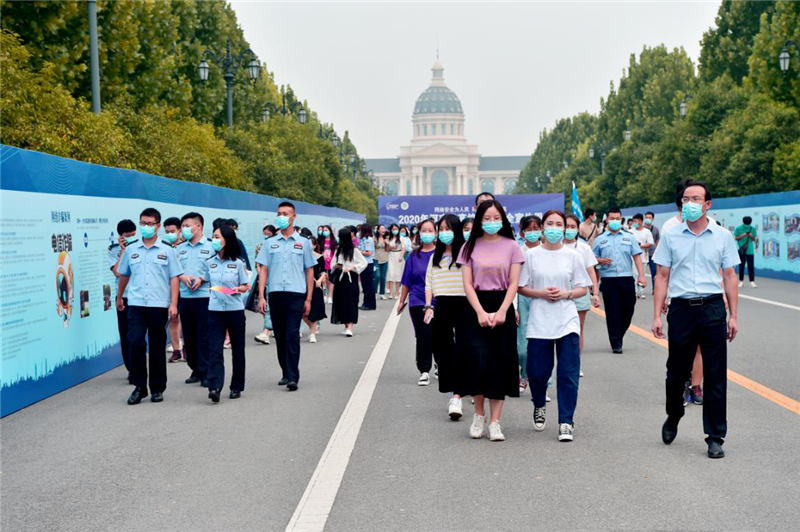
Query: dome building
[439, 161]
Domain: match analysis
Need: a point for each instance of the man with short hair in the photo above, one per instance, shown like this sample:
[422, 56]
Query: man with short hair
[588, 229]
[233, 224]
[696, 263]
[649, 223]
[286, 262]
[126, 234]
[645, 239]
[746, 237]
[480, 198]
[172, 237]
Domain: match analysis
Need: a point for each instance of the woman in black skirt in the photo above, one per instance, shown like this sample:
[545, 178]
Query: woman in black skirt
[490, 263]
[347, 265]
[317, 312]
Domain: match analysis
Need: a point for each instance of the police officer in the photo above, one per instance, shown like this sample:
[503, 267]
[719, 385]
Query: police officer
[149, 268]
[193, 305]
[690, 258]
[616, 249]
[126, 231]
[286, 262]
[226, 269]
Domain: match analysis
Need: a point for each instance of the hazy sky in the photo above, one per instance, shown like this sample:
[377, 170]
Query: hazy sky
[516, 68]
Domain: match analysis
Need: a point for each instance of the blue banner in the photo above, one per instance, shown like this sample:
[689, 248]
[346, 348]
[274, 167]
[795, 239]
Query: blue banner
[411, 210]
[58, 324]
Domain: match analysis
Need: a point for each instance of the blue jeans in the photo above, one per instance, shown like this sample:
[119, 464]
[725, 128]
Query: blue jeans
[540, 367]
[653, 271]
[379, 277]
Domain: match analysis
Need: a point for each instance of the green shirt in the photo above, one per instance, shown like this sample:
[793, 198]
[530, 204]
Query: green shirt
[746, 241]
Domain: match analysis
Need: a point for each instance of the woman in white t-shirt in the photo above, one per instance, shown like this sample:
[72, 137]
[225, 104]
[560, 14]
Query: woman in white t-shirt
[553, 275]
[584, 303]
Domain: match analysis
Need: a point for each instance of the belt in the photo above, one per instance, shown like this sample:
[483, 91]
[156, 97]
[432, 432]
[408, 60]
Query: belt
[697, 301]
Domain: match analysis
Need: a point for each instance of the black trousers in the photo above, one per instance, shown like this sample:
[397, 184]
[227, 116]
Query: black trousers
[445, 337]
[424, 334]
[750, 262]
[704, 325]
[619, 298]
[194, 321]
[218, 322]
[122, 327]
[147, 327]
[368, 286]
[287, 313]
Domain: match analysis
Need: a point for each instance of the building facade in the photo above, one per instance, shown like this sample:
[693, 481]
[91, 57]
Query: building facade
[439, 161]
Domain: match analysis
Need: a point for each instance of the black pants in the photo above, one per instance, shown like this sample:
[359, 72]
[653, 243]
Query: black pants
[424, 334]
[368, 286]
[445, 337]
[194, 321]
[148, 325]
[619, 298]
[218, 322]
[122, 327]
[750, 262]
[653, 271]
[287, 313]
[704, 325]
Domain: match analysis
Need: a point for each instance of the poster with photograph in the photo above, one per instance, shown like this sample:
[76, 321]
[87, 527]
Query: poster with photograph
[772, 223]
[791, 224]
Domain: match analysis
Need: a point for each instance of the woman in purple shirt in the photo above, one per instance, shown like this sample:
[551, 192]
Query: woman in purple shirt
[490, 262]
[413, 282]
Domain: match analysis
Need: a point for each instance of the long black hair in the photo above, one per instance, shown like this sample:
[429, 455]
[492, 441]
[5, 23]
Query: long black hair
[346, 247]
[231, 250]
[366, 231]
[392, 237]
[455, 226]
[477, 228]
[419, 231]
[331, 235]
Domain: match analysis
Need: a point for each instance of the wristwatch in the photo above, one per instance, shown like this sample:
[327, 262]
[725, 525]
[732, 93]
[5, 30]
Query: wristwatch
[570, 295]
[426, 307]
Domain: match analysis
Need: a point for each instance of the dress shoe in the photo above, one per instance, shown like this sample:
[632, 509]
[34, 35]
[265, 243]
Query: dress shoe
[669, 431]
[283, 382]
[292, 386]
[715, 449]
[137, 396]
[235, 394]
[204, 383]
[362, 307]
[617, 350]
[214, 395]
[157, 397]
[193, 379]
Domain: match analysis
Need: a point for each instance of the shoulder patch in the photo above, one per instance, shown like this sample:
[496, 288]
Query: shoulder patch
[112, 246]
[233, 265]
[135, 256]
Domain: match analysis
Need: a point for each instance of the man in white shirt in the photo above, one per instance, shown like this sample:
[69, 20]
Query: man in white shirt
[646, 242]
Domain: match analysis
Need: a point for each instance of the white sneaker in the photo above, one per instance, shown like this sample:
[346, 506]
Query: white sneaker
[227, 345]
[348, 333]
[642, 296]
[262, 338]
[383, 297]
[547, 397]
[424, 379]
[753, 284]
[170, 349]
[539, 418]
[741, 284]
[329, 301]
[565, 431]
[476, 429]
[495, 434]
[312, 338]
[454, 409]
[581, 374]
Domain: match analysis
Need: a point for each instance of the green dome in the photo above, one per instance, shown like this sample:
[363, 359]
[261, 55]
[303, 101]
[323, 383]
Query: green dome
[438, 100]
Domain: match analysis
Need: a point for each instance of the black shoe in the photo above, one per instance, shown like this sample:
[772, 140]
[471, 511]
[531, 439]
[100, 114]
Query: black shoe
[669, 431]
[283, 382]
[137, 396]
[715, 449]
[362, 307]
[193, 379]
[235, 394]
[204, 383]
[214, 395]
[292, 386]
[157, 397]
[617, 350]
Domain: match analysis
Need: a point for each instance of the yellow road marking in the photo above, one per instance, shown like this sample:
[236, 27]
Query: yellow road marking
[767, 393]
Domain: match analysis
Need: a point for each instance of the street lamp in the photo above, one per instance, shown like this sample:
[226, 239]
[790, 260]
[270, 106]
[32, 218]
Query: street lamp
[336, 140]
[603, 149]
[270, 108]
[627, 134]
[302, 114]
[683, 105]
[784, 57]
[228, 62]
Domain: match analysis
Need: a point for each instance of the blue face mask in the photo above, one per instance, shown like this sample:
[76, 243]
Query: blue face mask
[326, 234]
[466, 234]
[615, 225]
[147, 231]
[648, 221]
[427, 238]
[171, 237]
[692, 211]
[395, 232]
[282, 222]
[130, 239]
[216, 244]
[492, 227]
[533, 236]
[446, 237]
[187, 233]
[635, 225]
[553, 234]
[571, 234]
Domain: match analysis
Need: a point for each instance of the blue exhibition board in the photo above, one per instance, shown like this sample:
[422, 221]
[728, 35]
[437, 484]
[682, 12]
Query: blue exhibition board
[58, 324]
[777, 220]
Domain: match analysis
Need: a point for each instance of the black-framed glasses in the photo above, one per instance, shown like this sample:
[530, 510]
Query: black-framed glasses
[148, 224]
[693, 199]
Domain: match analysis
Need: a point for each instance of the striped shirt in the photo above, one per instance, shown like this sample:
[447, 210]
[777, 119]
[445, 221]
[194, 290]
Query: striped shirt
[444, 281]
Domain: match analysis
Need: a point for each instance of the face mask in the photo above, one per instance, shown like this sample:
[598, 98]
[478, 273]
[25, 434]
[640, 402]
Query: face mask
[147, 231]
[171, 237]
[533, 236]
[319, 233]
[615, 225]
[446, 237]
[492, 227]
[553, 234]
[216, 244]
[404, 235]
[282, 222]
[130, 239]
[571, 234]
[395, 232]
[466, 234]
[427, 238]
[326, 234]
[187, 233]
[692, 211]
[635, 225]
[648, 222]
[414, 231]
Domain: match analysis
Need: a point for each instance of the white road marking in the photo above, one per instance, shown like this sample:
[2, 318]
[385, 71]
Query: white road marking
[777, 304]
[315, 506]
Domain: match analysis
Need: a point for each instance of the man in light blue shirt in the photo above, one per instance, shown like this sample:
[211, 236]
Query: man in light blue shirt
[695, 260]
[617, 250]
[366, 245]
[286, 264]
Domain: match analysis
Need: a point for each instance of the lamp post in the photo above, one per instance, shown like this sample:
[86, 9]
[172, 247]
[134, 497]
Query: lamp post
[627, 134]
[684, 105]
[603, 149]
[784, 57]
[94, 57]
[228, 62]
[270, 108]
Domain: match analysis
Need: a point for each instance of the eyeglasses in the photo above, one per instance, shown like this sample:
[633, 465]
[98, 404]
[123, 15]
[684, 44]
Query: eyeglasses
[693, 199]
[148, 224]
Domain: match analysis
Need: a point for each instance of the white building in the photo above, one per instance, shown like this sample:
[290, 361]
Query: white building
[439, 161]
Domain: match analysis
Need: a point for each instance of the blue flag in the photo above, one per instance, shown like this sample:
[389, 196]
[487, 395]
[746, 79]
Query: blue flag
[576, 203]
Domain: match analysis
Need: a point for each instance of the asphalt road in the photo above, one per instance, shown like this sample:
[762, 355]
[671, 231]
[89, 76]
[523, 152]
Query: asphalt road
[84, 460]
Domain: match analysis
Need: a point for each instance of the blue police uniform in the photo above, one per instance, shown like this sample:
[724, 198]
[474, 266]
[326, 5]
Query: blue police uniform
[226, 312]
[193, 306]
[287, 260]
[697, 316]
[150, 271]
[114, 253]
[367, 281]
[616, 281]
